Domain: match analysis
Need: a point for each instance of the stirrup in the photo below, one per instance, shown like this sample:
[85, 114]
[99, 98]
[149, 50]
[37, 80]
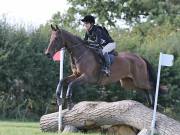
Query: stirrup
[106, 71]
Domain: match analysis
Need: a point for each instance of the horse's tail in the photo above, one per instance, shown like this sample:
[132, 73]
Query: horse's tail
[163, 89]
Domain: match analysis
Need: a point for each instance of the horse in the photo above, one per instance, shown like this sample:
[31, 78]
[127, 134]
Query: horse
[131, 70]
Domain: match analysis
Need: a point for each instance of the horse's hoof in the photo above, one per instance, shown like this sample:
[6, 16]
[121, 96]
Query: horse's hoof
[59, 101]
[69, 107]
[70, 104]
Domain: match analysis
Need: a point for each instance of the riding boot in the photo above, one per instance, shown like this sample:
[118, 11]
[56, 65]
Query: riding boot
[100, 53]
[107, 63]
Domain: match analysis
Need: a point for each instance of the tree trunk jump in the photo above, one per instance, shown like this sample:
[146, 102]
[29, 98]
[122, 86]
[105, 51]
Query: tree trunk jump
[125, 117]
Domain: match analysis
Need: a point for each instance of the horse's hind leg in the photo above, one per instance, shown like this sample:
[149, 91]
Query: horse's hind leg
[150, 97]
[129, 84]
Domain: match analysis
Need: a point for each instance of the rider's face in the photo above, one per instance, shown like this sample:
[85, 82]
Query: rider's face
[87, 26]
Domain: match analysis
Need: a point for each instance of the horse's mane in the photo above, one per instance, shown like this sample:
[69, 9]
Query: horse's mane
[77, 39]
[74, 37]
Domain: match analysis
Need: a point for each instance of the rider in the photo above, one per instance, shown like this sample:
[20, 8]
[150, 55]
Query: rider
[99, 35]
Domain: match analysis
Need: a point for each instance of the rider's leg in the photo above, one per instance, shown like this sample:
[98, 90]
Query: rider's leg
[103, 62]
[107, 63]
[108, 48]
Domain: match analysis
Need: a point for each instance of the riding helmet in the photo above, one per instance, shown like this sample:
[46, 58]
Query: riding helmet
[88, 19]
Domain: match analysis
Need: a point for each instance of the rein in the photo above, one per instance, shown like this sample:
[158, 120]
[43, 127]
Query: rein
[81, 56]
[69, 50]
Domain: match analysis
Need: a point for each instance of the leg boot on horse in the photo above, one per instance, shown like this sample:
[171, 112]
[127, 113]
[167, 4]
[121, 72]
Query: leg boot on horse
[69, 96]
[58, 92]
[150, 97]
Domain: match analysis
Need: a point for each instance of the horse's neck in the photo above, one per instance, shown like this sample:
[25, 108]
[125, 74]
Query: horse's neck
[77, 48]
[74, 45]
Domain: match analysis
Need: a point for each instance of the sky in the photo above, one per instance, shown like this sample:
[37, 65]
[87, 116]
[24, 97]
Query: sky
[31, 12]
[35, 12]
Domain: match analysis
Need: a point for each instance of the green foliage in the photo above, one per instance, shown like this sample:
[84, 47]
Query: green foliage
[24, 76]
[148, 40]
[108, 11]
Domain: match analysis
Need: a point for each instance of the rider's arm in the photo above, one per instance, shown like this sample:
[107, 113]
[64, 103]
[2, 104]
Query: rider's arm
[93, 44]
[98, 34]
[86, 37]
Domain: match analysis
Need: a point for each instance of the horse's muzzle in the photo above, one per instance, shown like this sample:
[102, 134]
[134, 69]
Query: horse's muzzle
[48, 55]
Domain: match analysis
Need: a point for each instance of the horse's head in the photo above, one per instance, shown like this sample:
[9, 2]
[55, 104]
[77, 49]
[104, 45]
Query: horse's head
[55, 43]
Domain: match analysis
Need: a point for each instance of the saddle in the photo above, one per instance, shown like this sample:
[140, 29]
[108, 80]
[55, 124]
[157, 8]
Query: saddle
[98, 51]
[111, 54]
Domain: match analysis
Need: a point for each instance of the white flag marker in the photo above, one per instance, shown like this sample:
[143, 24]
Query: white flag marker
[60, 78]
[167, 59]
[164, 60]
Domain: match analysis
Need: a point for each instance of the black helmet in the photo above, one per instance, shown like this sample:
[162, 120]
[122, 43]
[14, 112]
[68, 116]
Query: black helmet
[89, 19]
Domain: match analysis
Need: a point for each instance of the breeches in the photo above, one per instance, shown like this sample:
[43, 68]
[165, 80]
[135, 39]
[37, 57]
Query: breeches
[109, 47]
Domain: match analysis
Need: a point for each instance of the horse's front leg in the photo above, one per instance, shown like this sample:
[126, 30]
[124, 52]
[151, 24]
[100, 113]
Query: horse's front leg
[63, 81]
[78, 81]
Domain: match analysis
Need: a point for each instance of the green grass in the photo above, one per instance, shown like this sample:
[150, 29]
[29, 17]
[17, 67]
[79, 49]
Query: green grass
[24, 128]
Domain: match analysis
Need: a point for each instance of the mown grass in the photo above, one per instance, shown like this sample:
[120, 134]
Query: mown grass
[25, 128]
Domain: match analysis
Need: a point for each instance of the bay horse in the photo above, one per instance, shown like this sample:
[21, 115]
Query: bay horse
[131, 70]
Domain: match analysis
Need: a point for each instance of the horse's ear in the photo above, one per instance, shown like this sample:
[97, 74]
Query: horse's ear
[57, 28]
[52, 27]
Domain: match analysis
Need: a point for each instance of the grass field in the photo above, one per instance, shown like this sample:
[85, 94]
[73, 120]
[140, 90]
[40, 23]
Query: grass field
[24, 128]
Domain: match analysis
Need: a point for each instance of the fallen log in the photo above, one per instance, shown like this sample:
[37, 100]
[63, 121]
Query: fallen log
[111, 116]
